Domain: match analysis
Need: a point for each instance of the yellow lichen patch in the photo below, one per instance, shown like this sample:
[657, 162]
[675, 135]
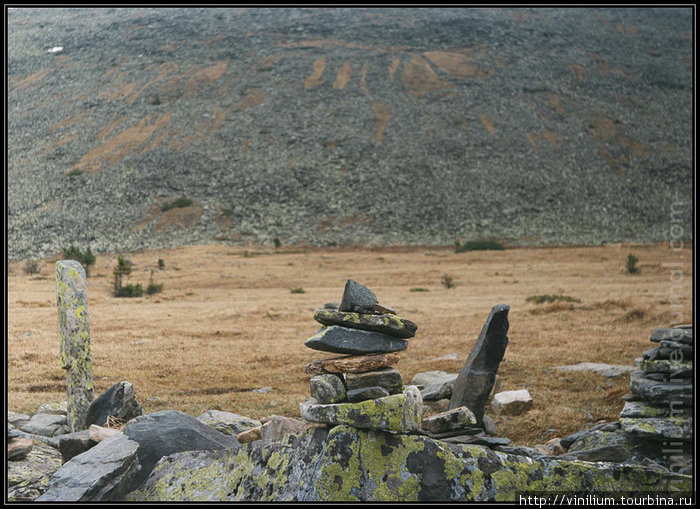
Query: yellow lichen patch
[254, 97]
[118, 146]
[420, 79]
[457, 64]
[343, 77]
[204, 77]
[382, 115]
[31, 80]
[315, 79]
[363, 77]
[393, 67]
[486, 121]
[578, 73]
[179, 217]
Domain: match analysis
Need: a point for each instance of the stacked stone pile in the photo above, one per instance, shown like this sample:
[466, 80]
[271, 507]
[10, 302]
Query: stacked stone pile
[659, 411]
[361, 388]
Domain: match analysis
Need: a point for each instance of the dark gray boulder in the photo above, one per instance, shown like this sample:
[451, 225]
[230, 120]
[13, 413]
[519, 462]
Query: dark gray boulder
[388, 378]
[675, 334]
[660, 391]
[162, 433]
[105, 472]
[118, 401]
[339, 339]
[474, 382]
[357, 298]
[227, 423]
[72, 444]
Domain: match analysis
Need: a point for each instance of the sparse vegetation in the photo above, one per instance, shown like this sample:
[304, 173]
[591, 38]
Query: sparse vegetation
[153, 287]
[130, 290]
[277, 242]
[181, 202]
[632, 264]
[122, 269]
[297, 290]
[74, 173]
[161, 264]
[478, 245]
[447, 281]
[31, 267]
[419, 290]
[541, 299]
[86, 259]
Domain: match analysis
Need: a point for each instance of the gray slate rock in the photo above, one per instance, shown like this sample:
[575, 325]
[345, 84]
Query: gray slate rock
[670, 428]
[357, 298]
[54, 408]
[434, 385]
[643, 409]
[327, 388]
[72, 444]
[659, 391]
[474, 382]
[17, 419]
[598, 438]
[478, 440]
[365, 393]
[675, 334]
[384, 323]
[118, 401]
[451, 420]
[667, 367]
[608, 453]
[388, 378]
[227, 423]
[339, 339]
[660, 352]
[48, 425]
[29, 478]
[162, 433]
[277, 427]
[103, 473]
[607, 370]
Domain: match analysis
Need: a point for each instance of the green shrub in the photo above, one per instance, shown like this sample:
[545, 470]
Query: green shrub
[31, 267]
[419, 290]
[540, 299]
[632, 264]
[122, 269]
[447, 281]
[478, 245]
[74, 173]
[161, 264]
[277, 242]
[85, 258]
[153, 287]
[179, 203]
[130, 290]
[297, 290]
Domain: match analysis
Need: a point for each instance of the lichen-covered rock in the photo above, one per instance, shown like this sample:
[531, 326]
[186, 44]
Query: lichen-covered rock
[60, 408]
[277, 426]
[327, 388]
[227, 423]
[667, 366]
[643, 409]
[450, 420]
[339, 339]
[118, 401]
[660, 391]
[350, 464]
[386, 323]
[103, 473]
[19, 448]
[399, 413]
[669, 428]
[29, 478]
[597, 438]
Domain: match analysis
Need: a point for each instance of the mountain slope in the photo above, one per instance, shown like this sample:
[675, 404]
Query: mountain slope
[371, 126]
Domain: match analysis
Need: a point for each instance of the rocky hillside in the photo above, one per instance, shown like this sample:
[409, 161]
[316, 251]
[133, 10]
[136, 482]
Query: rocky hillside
[331, 126]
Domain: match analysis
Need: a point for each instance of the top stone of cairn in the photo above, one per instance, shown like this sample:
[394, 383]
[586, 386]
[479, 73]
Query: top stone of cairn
[357, 298]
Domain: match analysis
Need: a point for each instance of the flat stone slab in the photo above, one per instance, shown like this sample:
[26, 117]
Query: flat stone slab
[227, 423]
[339, 339]
[451, 420]
[478, 440]
[667, 366]
[384, 323]
[352, 364]
[607, 453]
[398, 413]
[327, 388]
[388, 378]
[511, 402]
[669, 428]
[660, 352]
[357, 297]
[48, 425]
[607, 370]
[681, 335]
[642, 409]
[660, 391]
[435, 385]
[365, 393]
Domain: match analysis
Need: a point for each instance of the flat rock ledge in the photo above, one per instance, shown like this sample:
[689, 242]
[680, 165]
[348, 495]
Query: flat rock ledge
[350, 464]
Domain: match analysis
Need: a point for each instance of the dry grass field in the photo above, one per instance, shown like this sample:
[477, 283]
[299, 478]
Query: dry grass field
[227, 322]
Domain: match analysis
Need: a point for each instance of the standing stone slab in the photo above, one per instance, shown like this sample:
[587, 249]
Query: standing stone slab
[339, 339]
[74, 337]
[118, 401]
[357, 297]
[474, 382]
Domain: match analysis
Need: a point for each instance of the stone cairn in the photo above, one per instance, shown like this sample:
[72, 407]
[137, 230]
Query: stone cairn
[658, 412]
[362, 389]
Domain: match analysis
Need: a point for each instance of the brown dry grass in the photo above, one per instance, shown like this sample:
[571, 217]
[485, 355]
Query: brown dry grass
[227, 323]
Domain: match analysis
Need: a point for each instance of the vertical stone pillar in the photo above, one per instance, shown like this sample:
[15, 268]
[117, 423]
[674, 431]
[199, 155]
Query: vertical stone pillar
[74, 337]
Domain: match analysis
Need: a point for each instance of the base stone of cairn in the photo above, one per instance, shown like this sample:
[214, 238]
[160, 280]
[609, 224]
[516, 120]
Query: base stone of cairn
[361, 389]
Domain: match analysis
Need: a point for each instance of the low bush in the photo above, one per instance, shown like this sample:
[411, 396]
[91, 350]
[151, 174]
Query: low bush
[632, 264]
[297, 290]
[447, 281]
[479, 245]
[31, 267]
[181, 202]
[130, 290]
[86, 259]
[540, 299]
